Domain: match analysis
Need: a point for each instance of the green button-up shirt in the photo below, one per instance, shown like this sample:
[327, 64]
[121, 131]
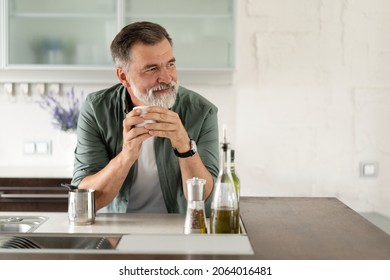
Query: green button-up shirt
[100, 139]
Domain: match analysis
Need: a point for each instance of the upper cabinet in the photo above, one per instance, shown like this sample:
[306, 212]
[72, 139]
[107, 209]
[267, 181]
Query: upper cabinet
[74, 34]
[202, 30]
[57, 32]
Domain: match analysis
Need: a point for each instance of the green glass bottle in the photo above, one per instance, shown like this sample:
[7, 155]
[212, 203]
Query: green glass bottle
[236, 179]
[225, 217]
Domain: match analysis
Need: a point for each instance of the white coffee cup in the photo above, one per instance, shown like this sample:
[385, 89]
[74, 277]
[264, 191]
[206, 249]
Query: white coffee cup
[143, 109]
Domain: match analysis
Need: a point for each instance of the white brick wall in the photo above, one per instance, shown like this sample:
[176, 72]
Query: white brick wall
[314, 76]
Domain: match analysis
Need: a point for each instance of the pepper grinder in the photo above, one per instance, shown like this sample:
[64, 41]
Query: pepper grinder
[195, 221]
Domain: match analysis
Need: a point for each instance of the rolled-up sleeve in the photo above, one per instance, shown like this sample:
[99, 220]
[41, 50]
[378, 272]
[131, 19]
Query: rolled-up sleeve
[91, 153]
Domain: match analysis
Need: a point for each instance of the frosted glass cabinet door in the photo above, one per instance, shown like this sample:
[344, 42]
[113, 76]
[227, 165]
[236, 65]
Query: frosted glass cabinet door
[202, 30]
[2, 37]
[60, 32]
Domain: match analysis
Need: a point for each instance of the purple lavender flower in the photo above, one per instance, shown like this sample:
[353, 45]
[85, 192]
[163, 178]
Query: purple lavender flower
[64, 118]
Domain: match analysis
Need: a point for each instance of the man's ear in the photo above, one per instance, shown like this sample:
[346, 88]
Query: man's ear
[122, 77]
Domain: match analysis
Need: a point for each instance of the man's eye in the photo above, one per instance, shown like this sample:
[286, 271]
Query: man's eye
[151, 69]
[171, 64]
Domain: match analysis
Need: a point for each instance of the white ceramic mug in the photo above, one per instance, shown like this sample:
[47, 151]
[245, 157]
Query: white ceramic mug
[143, 109]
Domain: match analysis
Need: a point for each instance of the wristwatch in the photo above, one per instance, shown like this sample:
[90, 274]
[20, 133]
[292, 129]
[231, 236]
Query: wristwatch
[189, 153]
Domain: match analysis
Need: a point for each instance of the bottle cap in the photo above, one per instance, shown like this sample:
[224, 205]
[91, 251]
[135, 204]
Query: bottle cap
[232, 154]
[195, 189]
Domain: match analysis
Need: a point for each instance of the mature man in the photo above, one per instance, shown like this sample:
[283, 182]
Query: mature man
[144, 169]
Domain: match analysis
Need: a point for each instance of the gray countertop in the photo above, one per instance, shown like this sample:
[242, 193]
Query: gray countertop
[277, 228]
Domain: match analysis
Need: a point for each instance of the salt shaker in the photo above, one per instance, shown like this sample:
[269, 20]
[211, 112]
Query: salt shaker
[195, 221]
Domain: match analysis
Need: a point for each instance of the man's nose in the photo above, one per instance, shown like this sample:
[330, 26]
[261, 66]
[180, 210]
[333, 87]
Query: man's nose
[165, 75]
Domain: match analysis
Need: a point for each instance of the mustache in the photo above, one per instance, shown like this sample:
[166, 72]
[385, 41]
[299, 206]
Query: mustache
[163, 86]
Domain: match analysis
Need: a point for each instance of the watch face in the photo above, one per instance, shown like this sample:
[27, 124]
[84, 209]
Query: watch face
[193, 146]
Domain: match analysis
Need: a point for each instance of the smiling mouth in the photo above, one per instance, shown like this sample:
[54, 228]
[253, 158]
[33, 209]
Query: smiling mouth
[162, 89]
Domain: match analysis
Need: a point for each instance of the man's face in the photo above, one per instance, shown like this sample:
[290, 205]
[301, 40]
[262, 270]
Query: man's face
[152, 75]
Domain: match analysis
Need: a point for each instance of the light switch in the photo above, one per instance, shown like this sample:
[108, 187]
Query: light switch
[368, 169]
[42, 148]
[29, 148]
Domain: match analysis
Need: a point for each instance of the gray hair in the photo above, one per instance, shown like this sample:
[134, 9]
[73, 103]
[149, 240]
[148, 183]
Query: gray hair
[144, 32]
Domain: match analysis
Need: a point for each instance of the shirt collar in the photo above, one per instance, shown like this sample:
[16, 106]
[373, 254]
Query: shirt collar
[127, 105]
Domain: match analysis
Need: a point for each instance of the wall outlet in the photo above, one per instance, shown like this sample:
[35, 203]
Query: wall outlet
[368, 169]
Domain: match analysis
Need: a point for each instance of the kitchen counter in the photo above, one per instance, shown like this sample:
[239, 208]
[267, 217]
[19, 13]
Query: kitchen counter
[276, 228]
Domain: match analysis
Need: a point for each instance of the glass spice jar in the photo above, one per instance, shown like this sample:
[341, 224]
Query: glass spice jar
[195, 221]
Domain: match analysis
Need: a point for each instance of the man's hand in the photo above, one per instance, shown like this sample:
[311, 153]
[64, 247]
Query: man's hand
[133, 136]
[168, 125]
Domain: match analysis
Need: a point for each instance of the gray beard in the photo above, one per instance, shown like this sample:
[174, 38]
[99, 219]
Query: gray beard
[166, 100]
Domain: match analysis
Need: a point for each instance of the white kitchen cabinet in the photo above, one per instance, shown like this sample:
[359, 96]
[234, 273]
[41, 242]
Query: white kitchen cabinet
[202, 30]
[2, 35]
[56, 32]
[73, 35]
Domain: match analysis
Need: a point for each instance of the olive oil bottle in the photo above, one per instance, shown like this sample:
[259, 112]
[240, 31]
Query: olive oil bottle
[235, 177]
[225, 215]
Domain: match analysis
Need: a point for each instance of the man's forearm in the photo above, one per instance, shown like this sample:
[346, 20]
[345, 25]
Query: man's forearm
[193, 167]
[108, 181]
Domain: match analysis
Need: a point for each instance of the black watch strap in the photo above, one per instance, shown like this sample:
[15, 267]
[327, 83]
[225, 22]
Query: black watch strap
[192, 151]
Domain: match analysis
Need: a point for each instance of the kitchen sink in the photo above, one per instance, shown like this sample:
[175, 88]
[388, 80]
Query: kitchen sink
[59, 241]
[20, 224]
[15, 227]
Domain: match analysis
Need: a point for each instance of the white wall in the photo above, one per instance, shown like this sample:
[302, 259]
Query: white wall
[313, 94]
[308, 102]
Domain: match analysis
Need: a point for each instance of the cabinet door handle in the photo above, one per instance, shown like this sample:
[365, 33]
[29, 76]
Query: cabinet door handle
[20, 196]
